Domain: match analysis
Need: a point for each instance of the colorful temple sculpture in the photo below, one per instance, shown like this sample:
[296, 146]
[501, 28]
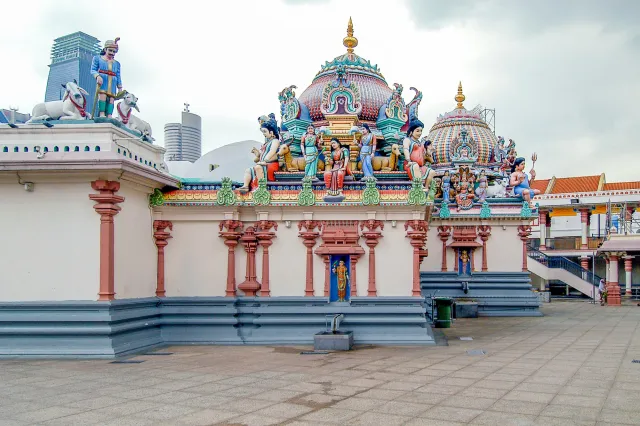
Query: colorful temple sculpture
[349, 206]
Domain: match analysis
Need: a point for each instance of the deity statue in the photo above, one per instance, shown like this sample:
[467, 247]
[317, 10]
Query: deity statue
[367, 148]
[520, 181]
[309, 144]
[446, 187]
[481, 190]
[337, 167]
[106, 70]
[267, 163]
[465, 264]
[500, 152]
[416, 155]
[342, 278]
[464, 198]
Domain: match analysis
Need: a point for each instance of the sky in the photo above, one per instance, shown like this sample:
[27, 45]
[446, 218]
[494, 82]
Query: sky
[562, 75]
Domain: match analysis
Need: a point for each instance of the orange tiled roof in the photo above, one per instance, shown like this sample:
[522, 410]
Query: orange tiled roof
[540, 184]
[621, 185]
[576, 184]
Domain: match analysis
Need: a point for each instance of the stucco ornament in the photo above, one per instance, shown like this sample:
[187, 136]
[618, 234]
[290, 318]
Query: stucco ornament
[73, 106]
[431, 195]
[156, 199]
[306, 197]
[370, 195]
[445, 213]
[226, 196]
[485, 211]
[417, 197]
[526, 210]
[124, 108]
[262, 196]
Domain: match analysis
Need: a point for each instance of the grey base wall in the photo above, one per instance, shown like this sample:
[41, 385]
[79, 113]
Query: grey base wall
[499, 294]
[123, 327]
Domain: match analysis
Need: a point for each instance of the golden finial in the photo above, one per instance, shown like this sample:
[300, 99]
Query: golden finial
[460, 97]
[350, 41]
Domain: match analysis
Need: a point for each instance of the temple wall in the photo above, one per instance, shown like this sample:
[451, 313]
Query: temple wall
[51, 242]
[135, 250]
[394, 262]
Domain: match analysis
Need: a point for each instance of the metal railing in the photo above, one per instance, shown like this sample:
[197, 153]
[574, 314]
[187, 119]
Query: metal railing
[564, 263]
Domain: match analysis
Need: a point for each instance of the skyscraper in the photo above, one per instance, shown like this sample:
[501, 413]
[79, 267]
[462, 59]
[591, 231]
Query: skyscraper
[71, 57]
[183, 141]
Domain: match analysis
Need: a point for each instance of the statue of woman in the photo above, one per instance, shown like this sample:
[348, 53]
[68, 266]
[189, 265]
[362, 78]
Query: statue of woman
[309, 147]
[520, 181]
[367, 148]
[339, 167]
[342, 277]
[481, 190]
[446, 186]
[415, 155]
[268, 161]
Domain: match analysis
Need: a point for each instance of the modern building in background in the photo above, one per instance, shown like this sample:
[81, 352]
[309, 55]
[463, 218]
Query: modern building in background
[183, 141]
[71, 57]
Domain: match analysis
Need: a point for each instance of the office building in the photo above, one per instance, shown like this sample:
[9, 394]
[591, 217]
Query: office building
[183, 141]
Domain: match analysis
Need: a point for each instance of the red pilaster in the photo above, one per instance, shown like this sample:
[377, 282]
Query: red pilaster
[444, 232]
[523, 232]
[417, 232]
[353, 276]
[231, 237]
[372, 236]
[484, 231]
[613, 289]
[264, 235]
[161, 236]
[107, 207]
[250, 285]
[327, 274]
[309, 236]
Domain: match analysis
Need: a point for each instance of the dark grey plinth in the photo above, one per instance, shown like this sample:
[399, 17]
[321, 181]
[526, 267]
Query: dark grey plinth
[333, 198]
[327, 341]
[466, 309]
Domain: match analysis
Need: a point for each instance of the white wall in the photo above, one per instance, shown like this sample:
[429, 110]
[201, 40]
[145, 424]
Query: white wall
[135, 250]
[50, 242]
[196, 260]
[394, 262]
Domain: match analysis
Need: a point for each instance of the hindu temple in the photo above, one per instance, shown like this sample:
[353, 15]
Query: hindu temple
[351, 207]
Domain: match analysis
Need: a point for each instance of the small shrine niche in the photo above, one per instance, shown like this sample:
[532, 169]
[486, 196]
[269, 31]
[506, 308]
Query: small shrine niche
[464, 245]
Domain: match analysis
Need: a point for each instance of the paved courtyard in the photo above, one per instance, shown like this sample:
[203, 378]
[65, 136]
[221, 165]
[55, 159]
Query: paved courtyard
[572, 366]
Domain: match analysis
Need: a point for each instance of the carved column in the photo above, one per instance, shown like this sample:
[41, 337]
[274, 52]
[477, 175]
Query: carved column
[613, 289]
[417, 232]
[327, 275]
[264, 235]
[231, 237]
[352, 276]
[372, 236]
[523, 232]
[627, 273]
[107, 207]
[584, 221]
[161, 236]
[309, 236]
[250, 285]
[542, 220]
[444, 232]
[484, 231]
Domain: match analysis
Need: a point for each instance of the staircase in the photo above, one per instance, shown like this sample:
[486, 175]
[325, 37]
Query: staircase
[562, 269]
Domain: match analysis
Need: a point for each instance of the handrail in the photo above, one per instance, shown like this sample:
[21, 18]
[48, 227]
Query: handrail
[564, 263]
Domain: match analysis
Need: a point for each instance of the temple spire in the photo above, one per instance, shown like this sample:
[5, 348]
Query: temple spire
[460, 97]
[350, 41]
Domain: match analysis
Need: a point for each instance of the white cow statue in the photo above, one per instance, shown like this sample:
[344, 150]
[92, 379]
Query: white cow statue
[129, 102]
[498, 189]
[73, 106]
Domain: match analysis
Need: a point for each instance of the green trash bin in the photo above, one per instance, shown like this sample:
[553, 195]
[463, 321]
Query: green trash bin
[443, 306]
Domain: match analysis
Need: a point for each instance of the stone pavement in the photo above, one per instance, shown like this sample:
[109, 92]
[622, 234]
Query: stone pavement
[572, 366]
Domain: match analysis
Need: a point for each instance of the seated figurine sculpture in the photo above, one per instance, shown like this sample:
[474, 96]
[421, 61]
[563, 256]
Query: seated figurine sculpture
[337, 168]
[416, 155]
[268, 160]
[521, 183]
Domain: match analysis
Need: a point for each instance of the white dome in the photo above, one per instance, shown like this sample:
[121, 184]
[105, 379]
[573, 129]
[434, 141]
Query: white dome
[179, 168]
[230, 160]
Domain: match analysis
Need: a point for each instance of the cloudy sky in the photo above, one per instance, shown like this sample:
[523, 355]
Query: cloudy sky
[561, 74]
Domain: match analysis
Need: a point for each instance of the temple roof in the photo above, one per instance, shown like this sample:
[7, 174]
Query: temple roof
[579, 184]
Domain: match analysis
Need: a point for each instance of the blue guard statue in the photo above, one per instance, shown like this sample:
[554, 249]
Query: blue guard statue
[106, 70]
